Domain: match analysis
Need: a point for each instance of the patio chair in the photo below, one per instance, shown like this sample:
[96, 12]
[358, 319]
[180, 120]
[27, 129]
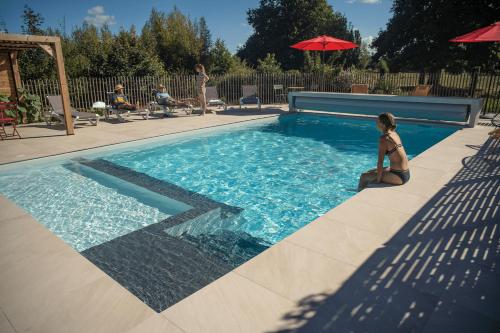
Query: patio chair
[249, 93]
[495, 121]
[8, 119]
[421, 90]
[110, 109]
[212, 97]
[359, 89]
[57, 112]
[186, 105]
[279, 93]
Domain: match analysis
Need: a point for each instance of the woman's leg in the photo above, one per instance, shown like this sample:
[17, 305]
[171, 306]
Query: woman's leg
[367, 178]
[203, 102]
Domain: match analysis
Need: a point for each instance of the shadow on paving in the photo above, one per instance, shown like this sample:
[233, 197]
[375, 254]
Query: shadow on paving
[439, 273]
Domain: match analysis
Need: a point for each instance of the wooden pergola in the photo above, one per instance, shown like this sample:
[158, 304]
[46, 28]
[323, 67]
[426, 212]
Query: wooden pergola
[10, 79]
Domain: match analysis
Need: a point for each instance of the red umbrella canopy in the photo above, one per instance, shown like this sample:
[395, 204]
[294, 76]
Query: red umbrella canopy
[324, 43]
[490, 33]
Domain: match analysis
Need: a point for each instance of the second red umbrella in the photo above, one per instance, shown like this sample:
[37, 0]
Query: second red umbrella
[324, 43]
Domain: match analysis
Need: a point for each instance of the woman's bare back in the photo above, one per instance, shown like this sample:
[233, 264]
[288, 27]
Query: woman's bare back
[398, 158]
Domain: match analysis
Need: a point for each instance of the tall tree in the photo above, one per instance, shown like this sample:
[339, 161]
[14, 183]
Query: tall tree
[32, 22]
[206, 42]
[278, 24]
[34, 63]
[174, 37]
[222, 59]
[417, 36]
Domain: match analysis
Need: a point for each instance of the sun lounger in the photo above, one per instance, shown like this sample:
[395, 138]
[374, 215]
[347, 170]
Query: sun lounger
[422, 90]
[120, 114]
[213, 99]
[279, 93]
[249, 93]
[58, 112]
[359, 89]
[186, 105]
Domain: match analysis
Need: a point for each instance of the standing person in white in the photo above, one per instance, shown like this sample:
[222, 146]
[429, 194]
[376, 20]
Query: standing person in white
[201, 79]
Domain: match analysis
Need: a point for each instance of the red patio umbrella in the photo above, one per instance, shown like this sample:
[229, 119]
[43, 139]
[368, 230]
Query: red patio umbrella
[324, 43]
[490, 33]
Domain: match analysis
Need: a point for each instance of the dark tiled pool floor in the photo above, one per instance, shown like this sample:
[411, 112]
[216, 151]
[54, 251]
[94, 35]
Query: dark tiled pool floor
[160, 268]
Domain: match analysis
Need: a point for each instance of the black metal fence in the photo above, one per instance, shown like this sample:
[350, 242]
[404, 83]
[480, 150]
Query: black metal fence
[85, 91]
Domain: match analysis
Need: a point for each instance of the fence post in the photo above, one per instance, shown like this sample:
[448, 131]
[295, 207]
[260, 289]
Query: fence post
[473, 82]
[421, 77]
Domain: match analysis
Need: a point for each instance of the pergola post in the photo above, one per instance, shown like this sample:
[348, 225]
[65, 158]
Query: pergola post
[63, 86]
[15, 70]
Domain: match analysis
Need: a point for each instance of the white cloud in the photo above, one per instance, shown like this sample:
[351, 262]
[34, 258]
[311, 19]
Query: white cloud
[368, 42]
[368, 39]
[98, 18]
[368, 2]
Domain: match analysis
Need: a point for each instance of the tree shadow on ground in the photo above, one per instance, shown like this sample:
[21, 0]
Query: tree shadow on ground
[439, 273]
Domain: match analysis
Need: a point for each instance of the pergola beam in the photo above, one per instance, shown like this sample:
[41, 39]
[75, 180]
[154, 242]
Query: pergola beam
[15, 38]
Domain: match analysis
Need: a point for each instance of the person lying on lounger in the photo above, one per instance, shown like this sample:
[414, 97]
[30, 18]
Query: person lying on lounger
[164, 98]
[120, 101]
[389, 144]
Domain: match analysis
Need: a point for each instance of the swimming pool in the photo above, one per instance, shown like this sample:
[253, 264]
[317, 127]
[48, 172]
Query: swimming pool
[169, 216]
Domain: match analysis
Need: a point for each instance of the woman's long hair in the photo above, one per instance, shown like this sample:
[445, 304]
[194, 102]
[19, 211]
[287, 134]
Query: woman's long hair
[388, 120]
[200, 67]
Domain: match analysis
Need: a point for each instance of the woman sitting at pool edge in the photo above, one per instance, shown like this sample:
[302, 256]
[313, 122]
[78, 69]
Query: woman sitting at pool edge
[389, 144]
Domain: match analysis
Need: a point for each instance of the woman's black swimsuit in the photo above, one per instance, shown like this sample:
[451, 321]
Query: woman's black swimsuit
[404, 175]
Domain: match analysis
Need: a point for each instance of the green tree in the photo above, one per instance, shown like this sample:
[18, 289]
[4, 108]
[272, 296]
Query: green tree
[313, 63]
[3, 26]
[34, 63]
[240, 67]
[174, 38]
[32, 22]
[417, 36]
[83, 54]
[269, 65]
[130, 58]
[222, 60]
[206, 43]
[351, 57]
[278, 24]
[365, 56]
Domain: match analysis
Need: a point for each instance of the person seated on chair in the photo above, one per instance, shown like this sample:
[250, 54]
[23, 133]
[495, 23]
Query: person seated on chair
[120, 101]
[389, 145]
[163, 97]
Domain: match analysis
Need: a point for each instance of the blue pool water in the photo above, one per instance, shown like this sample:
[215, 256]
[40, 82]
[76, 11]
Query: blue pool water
[167, 217]
[283, 173]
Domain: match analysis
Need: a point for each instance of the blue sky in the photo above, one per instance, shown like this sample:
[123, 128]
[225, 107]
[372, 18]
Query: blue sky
[226, 18]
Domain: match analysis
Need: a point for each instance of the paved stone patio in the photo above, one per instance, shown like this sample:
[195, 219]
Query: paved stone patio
[427, 262]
